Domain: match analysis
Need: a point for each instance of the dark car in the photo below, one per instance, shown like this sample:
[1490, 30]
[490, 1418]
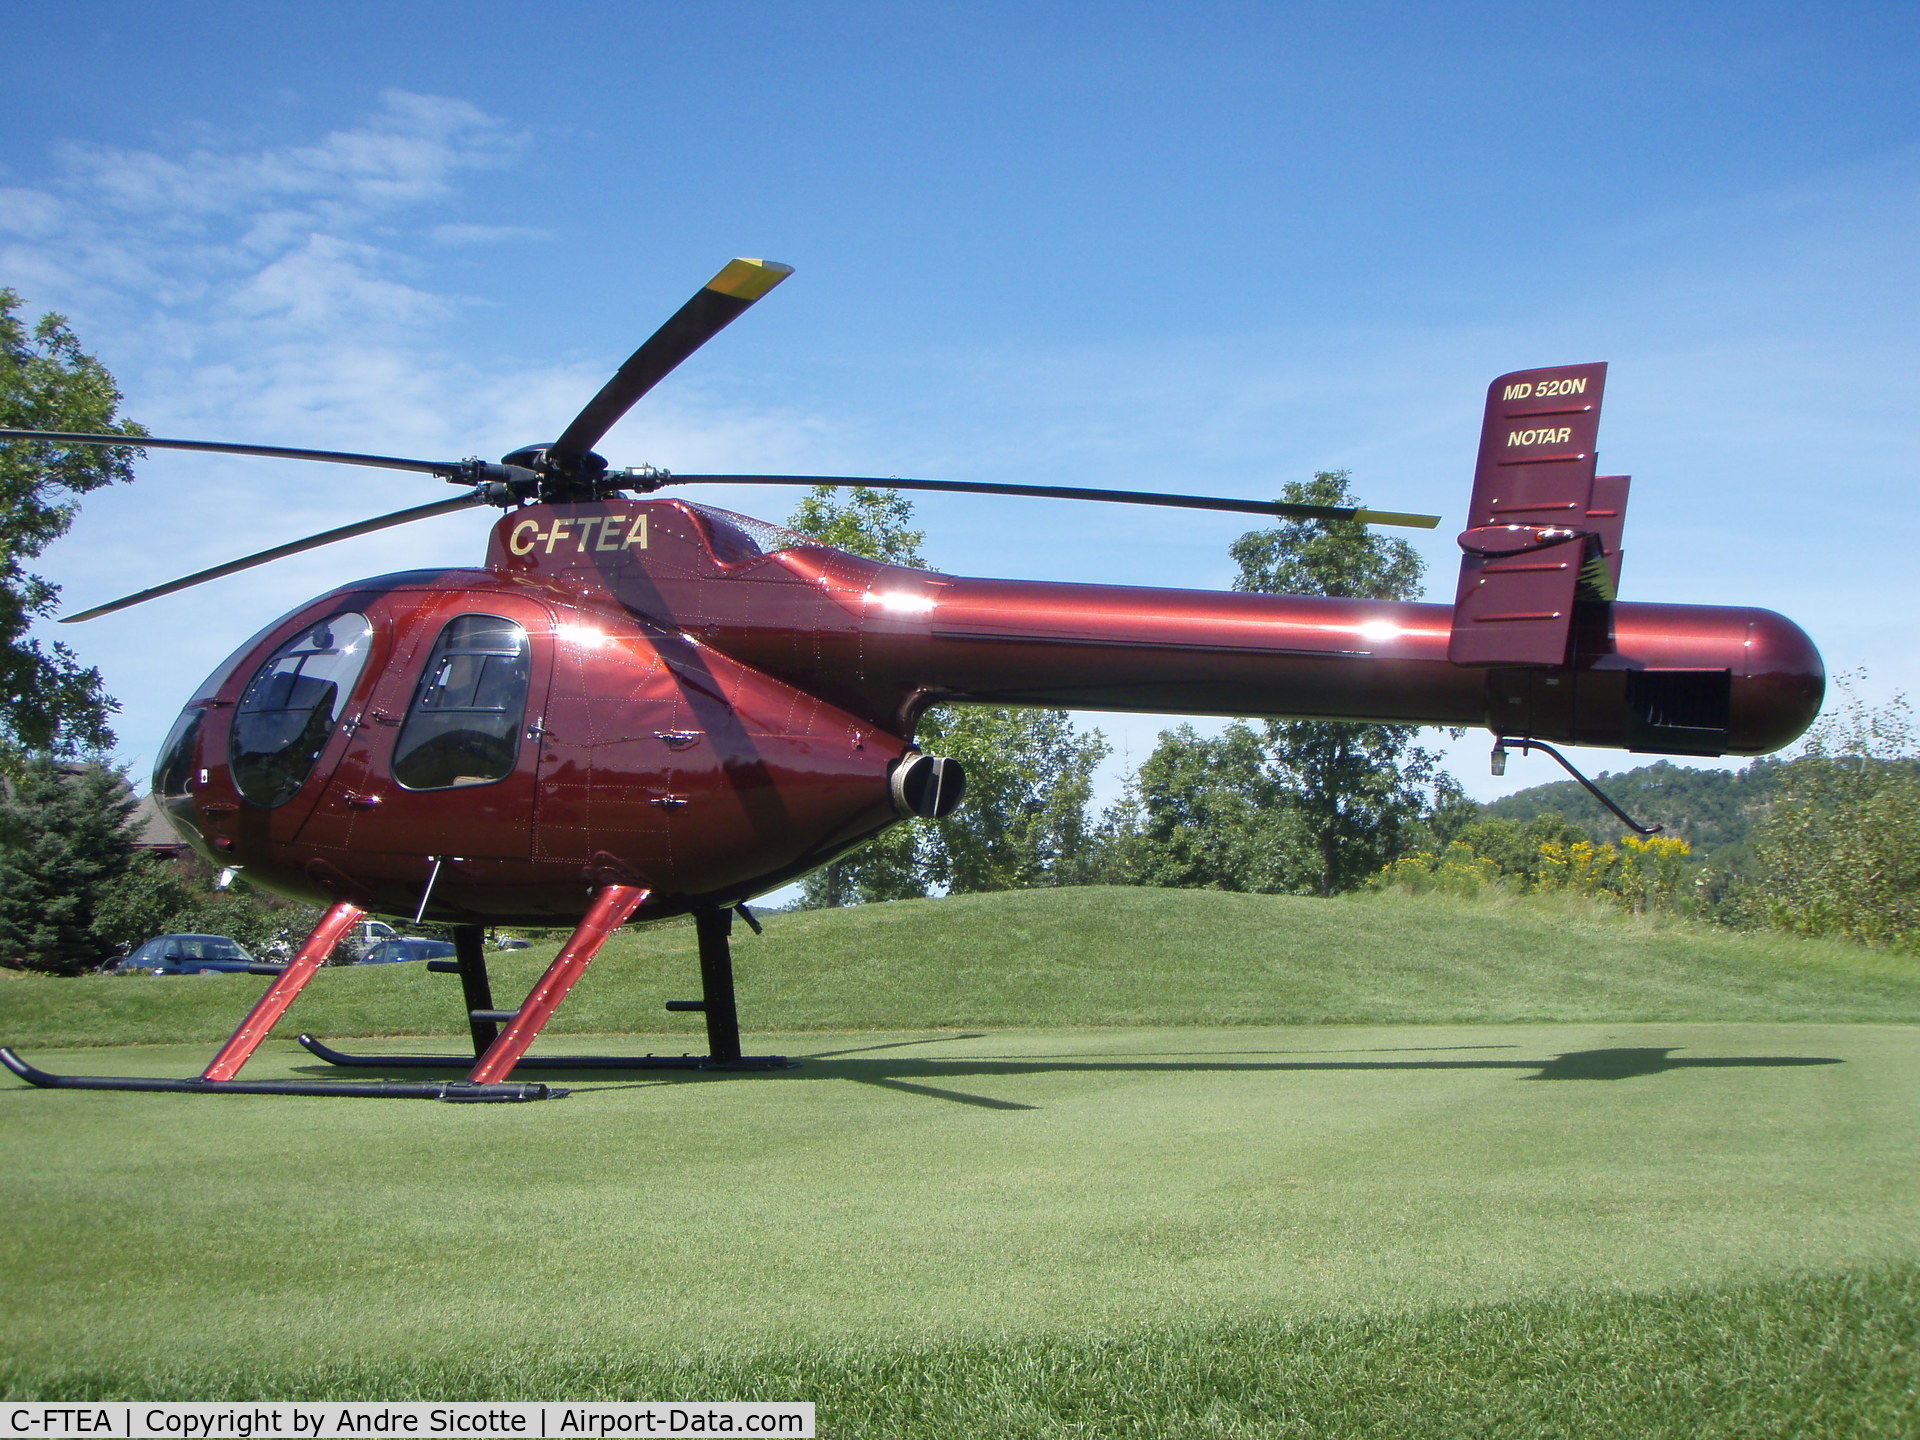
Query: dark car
[389, 952]
[186, 955]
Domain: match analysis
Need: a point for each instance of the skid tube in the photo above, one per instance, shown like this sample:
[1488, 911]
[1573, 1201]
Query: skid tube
[289, 980]
[450, 1090]
[326, 1052]
[714, 930]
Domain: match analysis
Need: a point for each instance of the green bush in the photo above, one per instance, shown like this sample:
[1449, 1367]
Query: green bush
[1839, 850]
[160, 896]
[1550, 855]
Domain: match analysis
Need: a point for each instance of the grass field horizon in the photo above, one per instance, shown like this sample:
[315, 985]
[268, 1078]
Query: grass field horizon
[1096, 955]
[1103, 1162]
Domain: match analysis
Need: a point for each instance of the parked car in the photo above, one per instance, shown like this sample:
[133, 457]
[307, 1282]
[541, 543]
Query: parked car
[366, 935]
[186, 955]
[389, 952]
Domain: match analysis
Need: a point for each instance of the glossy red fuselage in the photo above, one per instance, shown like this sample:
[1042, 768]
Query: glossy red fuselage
[714, 707]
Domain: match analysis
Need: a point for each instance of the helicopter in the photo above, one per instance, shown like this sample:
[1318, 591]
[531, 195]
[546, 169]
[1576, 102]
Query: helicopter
[639, 706]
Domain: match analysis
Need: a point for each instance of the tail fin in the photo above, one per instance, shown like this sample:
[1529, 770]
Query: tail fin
[1543, 531]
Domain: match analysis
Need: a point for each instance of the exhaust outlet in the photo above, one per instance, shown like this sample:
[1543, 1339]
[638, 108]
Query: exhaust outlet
[928, 787]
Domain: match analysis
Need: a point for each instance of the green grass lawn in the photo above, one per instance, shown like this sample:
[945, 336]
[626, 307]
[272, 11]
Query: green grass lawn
[1095, 956]
[1176, 1163]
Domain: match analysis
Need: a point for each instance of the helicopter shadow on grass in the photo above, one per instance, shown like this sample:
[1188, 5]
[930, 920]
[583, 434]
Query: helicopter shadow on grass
[913, 1074]
[910, 1073]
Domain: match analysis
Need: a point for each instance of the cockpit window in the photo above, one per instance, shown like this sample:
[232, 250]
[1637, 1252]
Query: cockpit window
[291, 705]
[463, 727]
[175, 767]
[173, 773]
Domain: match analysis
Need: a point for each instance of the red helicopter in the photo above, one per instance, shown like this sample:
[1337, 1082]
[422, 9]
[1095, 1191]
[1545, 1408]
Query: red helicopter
[640, 708]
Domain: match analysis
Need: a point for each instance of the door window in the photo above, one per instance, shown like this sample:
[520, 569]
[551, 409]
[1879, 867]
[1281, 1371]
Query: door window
[463, 727]
[289, 709]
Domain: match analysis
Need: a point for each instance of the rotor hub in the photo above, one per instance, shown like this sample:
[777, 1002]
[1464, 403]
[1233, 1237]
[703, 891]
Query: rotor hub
[584, 479]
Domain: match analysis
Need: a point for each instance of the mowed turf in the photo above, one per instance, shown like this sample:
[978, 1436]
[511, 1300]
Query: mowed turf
[1692, 1222]
[1093, 956]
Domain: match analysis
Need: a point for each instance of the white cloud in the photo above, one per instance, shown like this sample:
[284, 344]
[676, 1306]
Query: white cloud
[407, 153]
[485, 234]
[163, 246]
[28, 212]
[327, 280]
[260, 293]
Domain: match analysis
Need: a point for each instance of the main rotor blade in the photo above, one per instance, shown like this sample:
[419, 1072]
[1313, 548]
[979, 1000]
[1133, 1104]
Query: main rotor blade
[1066, 492]
[312, 542]
[221, 447]
[711, 310]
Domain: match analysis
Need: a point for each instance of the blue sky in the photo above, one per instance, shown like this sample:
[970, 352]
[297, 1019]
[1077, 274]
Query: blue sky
[1206, 248]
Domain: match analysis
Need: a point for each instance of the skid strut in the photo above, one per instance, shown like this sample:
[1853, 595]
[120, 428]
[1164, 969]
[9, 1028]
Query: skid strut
[470, 959]
[218, 1079]
[714, 929]
[611, 909]
[271, 1006]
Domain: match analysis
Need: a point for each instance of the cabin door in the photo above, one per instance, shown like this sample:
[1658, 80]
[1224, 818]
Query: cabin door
[443, 757]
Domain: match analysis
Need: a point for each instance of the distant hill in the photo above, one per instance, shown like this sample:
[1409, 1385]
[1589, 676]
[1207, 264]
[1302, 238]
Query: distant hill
[1712, 810]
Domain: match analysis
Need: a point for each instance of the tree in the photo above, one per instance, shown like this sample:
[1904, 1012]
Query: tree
[1357, 787]
[1029, 772]
[1206, 813]
[66, 839]
[49, 702]
[161, 896]
[1237, 812]
[861, 521]
[1342, 559]
[1838, 852]
[1023, 823]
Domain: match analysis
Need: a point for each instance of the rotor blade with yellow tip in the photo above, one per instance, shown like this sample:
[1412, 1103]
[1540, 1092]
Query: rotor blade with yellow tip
[711, 310]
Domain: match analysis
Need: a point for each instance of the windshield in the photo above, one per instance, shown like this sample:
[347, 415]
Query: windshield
[290, 707]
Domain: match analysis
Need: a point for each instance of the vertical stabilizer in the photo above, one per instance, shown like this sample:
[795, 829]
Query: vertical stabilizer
[1542, 532]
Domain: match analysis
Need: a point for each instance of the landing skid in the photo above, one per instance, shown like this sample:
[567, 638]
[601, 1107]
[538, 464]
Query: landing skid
[548, 1062]
[497, 1052]
[452, 1090]
[714, 929]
